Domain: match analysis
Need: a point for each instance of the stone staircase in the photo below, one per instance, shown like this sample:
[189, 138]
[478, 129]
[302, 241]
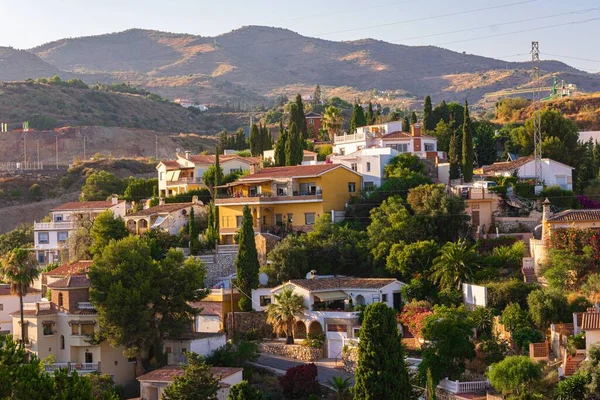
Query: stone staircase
[573, 364]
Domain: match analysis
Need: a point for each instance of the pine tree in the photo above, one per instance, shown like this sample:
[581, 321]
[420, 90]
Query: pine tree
[381, 372]
[467, 146]
[406, 124]
[246, 263]
[413, 118]
[317, 96]
[357, 119]
[370, 115]
[255, 141]
[454, 157]
[301, 118]
[281, 145]
[428, 123]
[293, 149]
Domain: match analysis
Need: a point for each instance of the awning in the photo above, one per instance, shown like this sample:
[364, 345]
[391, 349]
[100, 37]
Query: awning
[158, 222]
[330, 296]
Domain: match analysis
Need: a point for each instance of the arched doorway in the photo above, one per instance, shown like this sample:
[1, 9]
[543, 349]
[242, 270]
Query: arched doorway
[360, 300]
[300, 330]
[315, 328]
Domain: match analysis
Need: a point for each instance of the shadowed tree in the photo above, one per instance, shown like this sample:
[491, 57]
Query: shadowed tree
[246, 263]
[467, 146]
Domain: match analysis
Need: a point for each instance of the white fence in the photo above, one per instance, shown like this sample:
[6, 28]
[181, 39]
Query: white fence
[458, 387]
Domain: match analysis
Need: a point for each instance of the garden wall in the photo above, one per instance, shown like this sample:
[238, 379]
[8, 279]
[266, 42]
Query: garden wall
[249, 321]
[296, 351]
[516, 224]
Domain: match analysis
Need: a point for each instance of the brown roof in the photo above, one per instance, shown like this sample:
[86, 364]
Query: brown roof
[76, 268]
[507, 166]
[35, 313]
[590, 321]
[85, 205]
[209, 307]
[576, 215]
[313, 115]
[71, 282]
[5, 290]
[164, 209]
[168, 373]
[171, 165]
[291, 171]
[341, 283]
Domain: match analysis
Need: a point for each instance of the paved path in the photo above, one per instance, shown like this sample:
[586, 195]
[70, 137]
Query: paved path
[326, 367]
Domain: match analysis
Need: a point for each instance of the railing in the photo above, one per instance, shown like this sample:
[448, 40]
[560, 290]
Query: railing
[81, 368]
[184, 180]
[51, 226]
[458, 387]
[269, 199]
[42, 305]
[85, 305]
[349, 138]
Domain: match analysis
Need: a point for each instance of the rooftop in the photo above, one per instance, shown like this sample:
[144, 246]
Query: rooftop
[576, 215]
[290, 172]
[168, 373]
[507, 165]
[590, 321]
[75, 268]
[86, 205]
[5, 290]
[71, 282]
[337, 283]
[162, 209]
[313, 115]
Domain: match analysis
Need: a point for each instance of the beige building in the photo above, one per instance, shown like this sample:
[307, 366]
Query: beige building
[10, 302]
[166, 217]
[63, 328]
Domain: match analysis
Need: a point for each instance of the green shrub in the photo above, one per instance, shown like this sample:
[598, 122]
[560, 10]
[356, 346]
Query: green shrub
[500, 294]
[526, 191]
[559, 198]
[314, 340]
[35, 192]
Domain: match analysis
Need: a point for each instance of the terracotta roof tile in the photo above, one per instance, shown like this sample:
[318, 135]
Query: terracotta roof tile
[342, 283]
[576, 215]
[168, 373]
[164, 209]
[209, 307]
[507, 166]
[72, 282]
[590, 321]
[289, 172]
[85, 205]
[75, 268]
[313, 115]
[171, 165]
[5, 290]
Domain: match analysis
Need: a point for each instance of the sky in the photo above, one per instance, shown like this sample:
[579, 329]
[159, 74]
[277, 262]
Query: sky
[566, 30]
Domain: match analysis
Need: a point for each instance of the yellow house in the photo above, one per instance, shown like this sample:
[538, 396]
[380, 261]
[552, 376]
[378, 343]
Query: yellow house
[287, 198]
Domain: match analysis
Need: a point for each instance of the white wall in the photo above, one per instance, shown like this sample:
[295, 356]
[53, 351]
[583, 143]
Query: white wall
[208, 323]
[256, 294]
[444, 173]
[551, 173]
[9, 304]
[591, 338]
[231, 380]
[206, 346]
[474, 295]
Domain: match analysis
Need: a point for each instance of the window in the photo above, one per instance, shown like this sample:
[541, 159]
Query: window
[401, 148]
[168, 350]
[342, 151]
[351, 187]
[87, 329]
[183, 350]
[48, 328]
[75, 329]
[58, 217]
[375, 298]
[62, 342]
[309, 219]
[255, 191]
[278, 219]
[368, 186]
[1, 307]
[368, 167]
[60, 300]
[309, 188]
[354, 167]
[62, 236]
[337, 328]
[162, 176]
[43, 238]
[41, 258]
[238, 221]
[89, 357]
[282, 190]
[355, 332]
[264, 220]
[265, 301]
[290, 218]
[384, 297]
[429, 147]
[311, 121]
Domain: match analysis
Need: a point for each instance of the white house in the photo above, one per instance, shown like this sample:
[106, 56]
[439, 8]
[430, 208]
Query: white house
[51, 237]
[330, 302]
[167, 217]
[369, 162]
[590, 324]
[10, 303]
[153, 383]
[553, 172]
[185, 173]
[308, 157]
[200, 343]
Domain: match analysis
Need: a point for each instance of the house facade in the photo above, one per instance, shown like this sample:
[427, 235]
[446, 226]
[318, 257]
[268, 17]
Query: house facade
[64, 327]
[553, 172]
[480, 204]
[213, 309]
[330, 302]
[369, 162]
[313, 123]
[308, 157]
[9, 303]
[51, 237]
[185, 172]
[201, 343]
[169, 218]
[290, 198]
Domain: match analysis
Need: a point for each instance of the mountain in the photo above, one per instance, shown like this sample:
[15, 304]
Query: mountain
[259, 60]
[18, 65]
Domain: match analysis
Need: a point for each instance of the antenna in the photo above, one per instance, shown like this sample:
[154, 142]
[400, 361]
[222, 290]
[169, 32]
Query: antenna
[537, 113]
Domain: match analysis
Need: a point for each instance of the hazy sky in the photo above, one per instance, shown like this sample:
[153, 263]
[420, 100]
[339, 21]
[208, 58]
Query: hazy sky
[569, 28]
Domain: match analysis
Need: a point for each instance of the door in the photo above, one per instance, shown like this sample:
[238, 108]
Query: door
[334, 348]
[397, 301]
[89, 358]
[475, 218]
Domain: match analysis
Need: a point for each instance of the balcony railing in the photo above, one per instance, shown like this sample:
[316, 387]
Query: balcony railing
[349, 138]
[81, 368]
[458, 387]
[52, 226]
[183, 181]
[266, 199]
[85, 305]
[42, 305]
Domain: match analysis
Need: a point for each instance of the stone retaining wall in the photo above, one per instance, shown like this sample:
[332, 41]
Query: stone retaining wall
[296, 351]
[350, 359]
[246, 321]
[224, 266]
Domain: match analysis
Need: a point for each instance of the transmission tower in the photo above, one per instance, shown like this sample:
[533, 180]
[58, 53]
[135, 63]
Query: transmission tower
[537, 113]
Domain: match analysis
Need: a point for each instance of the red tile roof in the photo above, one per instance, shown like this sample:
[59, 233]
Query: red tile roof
[342, 283]
[209, 307]
[508, 166]
[590, 321]
[71, 282]
[289, 172]
[576, 215]
[5, 290]
[86, 205]
[74, 268]
[171, 165]
[168, 373]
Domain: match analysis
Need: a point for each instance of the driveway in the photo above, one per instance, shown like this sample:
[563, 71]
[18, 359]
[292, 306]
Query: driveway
[326, 367]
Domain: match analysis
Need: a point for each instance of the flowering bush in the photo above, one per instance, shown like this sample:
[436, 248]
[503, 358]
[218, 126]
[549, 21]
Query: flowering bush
[413, 315]
[587, 203]
[300, 382]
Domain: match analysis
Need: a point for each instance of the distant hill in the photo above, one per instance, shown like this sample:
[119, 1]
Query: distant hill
[65, 105]
[263, 59]
[18, 65]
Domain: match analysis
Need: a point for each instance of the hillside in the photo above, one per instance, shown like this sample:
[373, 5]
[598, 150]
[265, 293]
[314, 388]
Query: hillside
[71, 105]
[18, 65]
[263, 59]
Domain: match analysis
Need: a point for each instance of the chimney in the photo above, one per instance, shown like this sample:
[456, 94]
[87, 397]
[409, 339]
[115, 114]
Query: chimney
[114, 199]
[546, 214]
[187, 154]
[415, 130]
[161, 201]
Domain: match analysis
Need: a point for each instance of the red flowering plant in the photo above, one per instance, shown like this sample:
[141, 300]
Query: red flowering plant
[413, 315]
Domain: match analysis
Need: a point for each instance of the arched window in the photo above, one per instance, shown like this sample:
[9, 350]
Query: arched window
[60, 299]
[62, 342]
[360, 300]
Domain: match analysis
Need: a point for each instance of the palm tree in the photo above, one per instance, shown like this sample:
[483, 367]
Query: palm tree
[332, 121]
[455, 264]
[341, 387]
[283, 311]
[20, 270]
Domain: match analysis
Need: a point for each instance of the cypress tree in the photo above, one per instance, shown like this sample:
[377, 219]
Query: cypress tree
[301, 118]
[280, 146]
[428, 123]
[255, 140]
[246, 263]
[218, 180]
[381, 372]
[406, 124]
[467, 146]
[193, 233]
[265, 138]
[293, 149]
[377, 115]
[357, 119]
[370, 115]
[413, 118]
[317, 96]
[454, 157]
[430, 386]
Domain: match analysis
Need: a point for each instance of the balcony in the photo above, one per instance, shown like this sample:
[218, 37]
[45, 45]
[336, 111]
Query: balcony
[81, 368]
[296, 197]
[184, 181]
[42, 305]
[54, 226]
[85, 305]
[349, 138]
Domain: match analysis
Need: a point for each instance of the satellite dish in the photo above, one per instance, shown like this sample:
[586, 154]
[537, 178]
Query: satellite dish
[308, 276]
[263, 279]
